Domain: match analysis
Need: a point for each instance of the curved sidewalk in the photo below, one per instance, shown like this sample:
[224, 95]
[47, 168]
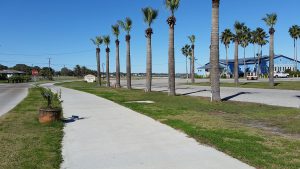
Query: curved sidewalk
[110, 136]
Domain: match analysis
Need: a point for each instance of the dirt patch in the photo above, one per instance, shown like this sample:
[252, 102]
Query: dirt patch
[272, 129]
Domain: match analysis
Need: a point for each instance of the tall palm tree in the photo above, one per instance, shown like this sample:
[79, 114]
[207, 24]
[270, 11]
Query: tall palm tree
[261, 41]
[295, 34]
[245, 39]
[226, 38]
[150, 15]
[98, 41]
[172, 5]
[106, 40]
[253, 41]
[214, 53]
[186, 51]
[192, 39]
[127, 25]
[271, 20]
[238, 27]
[116, 32]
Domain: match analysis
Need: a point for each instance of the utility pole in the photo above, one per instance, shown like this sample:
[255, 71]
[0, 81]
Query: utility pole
[49, 62]
[49, 66]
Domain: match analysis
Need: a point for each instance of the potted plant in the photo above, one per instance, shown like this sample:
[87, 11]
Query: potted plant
[52, 110]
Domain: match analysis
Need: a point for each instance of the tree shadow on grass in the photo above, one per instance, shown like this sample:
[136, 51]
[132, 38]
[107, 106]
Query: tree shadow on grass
[235, 95]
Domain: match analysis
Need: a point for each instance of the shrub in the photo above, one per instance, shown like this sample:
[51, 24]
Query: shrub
[53, 100]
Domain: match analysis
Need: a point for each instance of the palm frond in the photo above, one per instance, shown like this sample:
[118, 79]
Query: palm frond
[106, 40]
[226, 37]
[150, 15]
[126, 25]
[186, 50]
[270, 19]
[116, 30]
[192, 39]
[97, 41]
[294, 31]
[172, 5]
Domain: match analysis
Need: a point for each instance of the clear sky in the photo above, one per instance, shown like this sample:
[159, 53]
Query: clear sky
[33, 30]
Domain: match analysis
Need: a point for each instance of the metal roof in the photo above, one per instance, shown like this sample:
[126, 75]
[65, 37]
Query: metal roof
[11, 72]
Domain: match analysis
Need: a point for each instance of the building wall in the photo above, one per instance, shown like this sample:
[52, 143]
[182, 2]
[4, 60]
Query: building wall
[281, 64]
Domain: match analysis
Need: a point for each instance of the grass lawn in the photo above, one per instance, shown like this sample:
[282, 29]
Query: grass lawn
[24, 142]
[3, 81]
[292, 85]
[260, 135]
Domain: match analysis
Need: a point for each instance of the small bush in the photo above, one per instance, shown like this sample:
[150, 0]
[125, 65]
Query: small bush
[53, 100]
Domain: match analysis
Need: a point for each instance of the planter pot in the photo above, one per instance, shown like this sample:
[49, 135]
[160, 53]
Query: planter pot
[48, 115]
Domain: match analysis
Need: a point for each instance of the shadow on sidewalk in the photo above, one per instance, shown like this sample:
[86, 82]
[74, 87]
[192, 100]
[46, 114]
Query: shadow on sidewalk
[73, 119]
[198, 91]
[235, 95]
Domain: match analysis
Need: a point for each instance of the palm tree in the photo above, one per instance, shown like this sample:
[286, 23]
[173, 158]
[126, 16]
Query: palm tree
[106, 40]
[238, 27]
[98, 41]
[253, 41]
[172, 5]
[149, 16]
[186, 51]
[271, 20]
[192, 39]
[245, 39]
[116, 32]
[261, 41]
[214, 53]
[295, 34]
[127, 25]
[226, 38]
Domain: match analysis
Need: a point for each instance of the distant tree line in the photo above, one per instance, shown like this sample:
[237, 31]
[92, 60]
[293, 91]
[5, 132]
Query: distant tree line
[46, 72]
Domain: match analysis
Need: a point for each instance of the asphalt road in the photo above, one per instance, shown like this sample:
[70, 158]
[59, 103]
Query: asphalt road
[285, 98]
[11, 95]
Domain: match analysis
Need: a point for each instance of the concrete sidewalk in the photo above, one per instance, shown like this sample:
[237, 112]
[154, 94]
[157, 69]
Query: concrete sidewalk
[111, 136]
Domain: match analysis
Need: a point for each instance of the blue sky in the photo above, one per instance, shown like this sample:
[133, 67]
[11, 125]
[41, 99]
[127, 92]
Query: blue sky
[33, 30]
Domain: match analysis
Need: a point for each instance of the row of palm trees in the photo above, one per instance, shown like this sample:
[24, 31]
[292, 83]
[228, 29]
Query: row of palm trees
[295, 34]
[150, 15]
[188, 51]
[243, 36]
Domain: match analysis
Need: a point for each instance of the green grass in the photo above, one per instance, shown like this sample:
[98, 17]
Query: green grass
[24, 142]
[291, 85]
[3, 81]
[260, 135]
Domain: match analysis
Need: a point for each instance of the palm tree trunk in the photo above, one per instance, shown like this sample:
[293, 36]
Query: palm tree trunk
[271, 62]
[226, 49]
[254, 57]
[258, 60]
[236, 63]
[98, 66]
[186, 70]
[171, 60]
[214, 53]
[118, 85]
[296, 56]
[193, 65]
[107, 68]
[128, 63]
[245, 76]
[149, 61]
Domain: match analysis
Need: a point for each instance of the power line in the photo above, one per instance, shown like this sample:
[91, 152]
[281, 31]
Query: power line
[58, 54]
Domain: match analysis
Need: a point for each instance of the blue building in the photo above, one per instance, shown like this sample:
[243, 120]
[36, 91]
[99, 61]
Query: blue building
[281, 63]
